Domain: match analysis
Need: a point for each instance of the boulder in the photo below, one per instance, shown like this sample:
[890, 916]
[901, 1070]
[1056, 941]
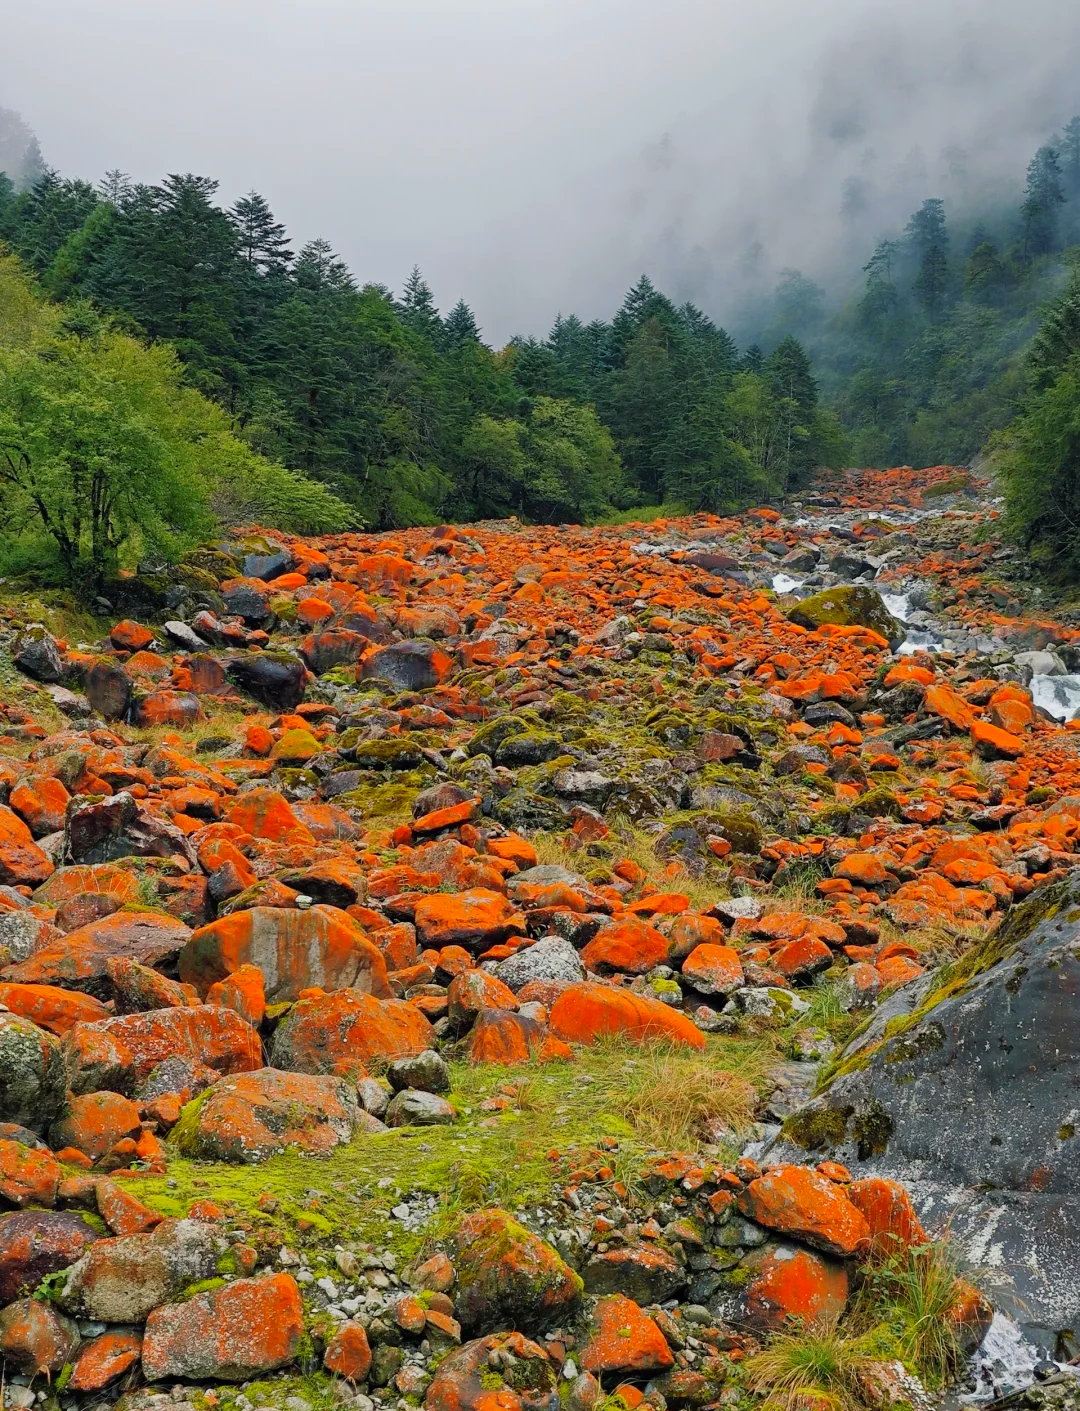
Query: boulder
[474, 919]
[102, 1360]
[852, 606]
[506, 1274]
[22, 862]
[645, 1272]
[33, 1079]
[79, 960]
[295, 950]
[101, 830]
[94, 1123]
[623, 1340]
[35, 1338]
[935, 1091]
[277, 679]
[415, 665]
[228, 1334]
[120, 1280]
[29, 1175]
[36, 653]
[215, 1036]
[551, 959]
[251, 1116]
[349, 1032]
[794, 1200]
[586, 1013]
[412, 1108]
[501, 1372]
[787, 1284]
[36, 1243]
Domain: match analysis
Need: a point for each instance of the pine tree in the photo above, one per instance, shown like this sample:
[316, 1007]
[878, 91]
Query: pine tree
[317, 267]
[752, 360]
[115, 187]
[418, 310]
[1070, 157]
[927, 227]
[460, 326]
[263, 244]
[1043, 195]
[932, 282]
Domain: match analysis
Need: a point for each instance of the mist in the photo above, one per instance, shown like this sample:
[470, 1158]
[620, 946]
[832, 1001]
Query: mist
[535, 156]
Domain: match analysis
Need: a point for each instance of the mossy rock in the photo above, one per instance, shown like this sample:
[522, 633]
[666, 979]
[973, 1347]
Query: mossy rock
[494, 733]
[851, 605]
[955, 485]
[741, 830]
[388, 754]
[879, 803]
[213, 562]
[529, 747]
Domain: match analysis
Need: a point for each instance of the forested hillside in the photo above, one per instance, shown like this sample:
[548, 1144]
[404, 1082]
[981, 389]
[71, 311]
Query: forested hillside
[408, 416]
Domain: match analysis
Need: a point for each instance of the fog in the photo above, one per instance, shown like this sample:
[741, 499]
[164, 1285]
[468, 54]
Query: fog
[536, 155]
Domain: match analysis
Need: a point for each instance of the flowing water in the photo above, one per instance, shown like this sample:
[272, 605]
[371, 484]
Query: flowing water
[1005, 1362]
[784, 583]
[1058, 695]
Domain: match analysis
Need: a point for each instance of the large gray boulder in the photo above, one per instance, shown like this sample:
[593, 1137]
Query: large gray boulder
[550, 959]
[966, 1087]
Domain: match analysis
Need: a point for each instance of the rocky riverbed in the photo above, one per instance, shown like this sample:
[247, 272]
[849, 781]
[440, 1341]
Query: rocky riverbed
[492, 966]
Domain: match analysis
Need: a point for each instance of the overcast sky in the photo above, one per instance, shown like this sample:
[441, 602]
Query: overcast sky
[537, 155]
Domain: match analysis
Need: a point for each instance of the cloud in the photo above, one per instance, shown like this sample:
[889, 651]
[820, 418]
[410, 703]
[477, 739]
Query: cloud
[537, 155]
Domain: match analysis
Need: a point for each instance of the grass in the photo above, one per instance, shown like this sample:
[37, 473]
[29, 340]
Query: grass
[639, 846]
[912, 1293]
[647, 1098]
[810, 1368]
[644, 514]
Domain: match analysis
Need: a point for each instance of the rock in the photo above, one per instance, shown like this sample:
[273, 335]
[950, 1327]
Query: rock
[108, 689]
[624, 1340]
[714, 970]
[104, 1359]
[22, 862]
[230, 1334]
[277, 679]
[473, 991]
[121, 1280]
[474, 919]
[36, 1243]
[35, 1338]
[251, 1116]
[347, 1353]
[79, 960]
[888, 1211]
[348, 1032]
[184, 636]
[33, 1081]
[295, 950]
[409, 666]
[788, 1284]
[503, 1370]
[796, 1201]
[96, 1060]
[505, 1274]
[588, 1012]
[28, 1175]
[425, 1071]
[934, 1102]
[36, 653]
[215, 1036]
[551, 959]
[501, 1036]
[418, 1109]
[847, 607]
[50, 1007]
[106, 829]
[646, 1273]
[94, 1123]
[629, 946]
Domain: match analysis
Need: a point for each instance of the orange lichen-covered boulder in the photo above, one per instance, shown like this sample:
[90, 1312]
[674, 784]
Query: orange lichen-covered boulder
[28, 1175]
[500, 1372]
[714, 970]
[474, 919]
[35, 1338]
[79, 960]
[793, 1285]
[94, 1124]
[35, 1243]
[623, 1339]
[252, 1116]
[797, 1201]
[505, 1274]
[51, 1007]
[500, 1036]
[994, 743]
[348, 1032]
[41, 802]
[348, 1353]
[264, 813]
[472, 991]
[889, 1213]
[295, 950]
[629, 945]
[226, 1334]
[22, 862]
[584, 1013]
[102, 1360]
[244, 990]
[209, 1033]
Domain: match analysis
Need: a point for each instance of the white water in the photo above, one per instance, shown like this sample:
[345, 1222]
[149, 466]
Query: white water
[784, 583]
[898, 604]
[1060, 695]
[918, 640]
[1005, 1362]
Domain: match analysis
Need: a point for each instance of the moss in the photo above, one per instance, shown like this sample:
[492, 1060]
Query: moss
[954, 485]
[845, 606]
[201, 1286]
[879, 803]
[814, 1128]
[872, 1127]
[388, 754]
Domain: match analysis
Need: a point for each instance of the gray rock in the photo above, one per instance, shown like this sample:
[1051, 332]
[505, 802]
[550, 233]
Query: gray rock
[416, 1109]
[184, 636]
[76, 706]
[972, 1104]
[20, 933]
[121, 1280]
[645, 1274]
[586, 784]
[372, 1096]
[105, 829]
[37, 654]
[33, 1076]
[1040, 664]
[731, 909]
[425, 1072]
[551, 959]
